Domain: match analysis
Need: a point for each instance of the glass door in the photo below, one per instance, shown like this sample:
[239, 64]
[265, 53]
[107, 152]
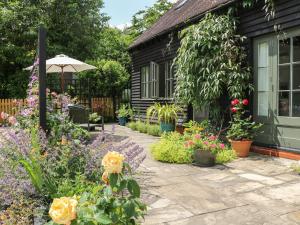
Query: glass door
[277, 89]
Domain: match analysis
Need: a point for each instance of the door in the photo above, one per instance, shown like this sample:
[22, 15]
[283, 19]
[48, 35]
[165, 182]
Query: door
[277, 89]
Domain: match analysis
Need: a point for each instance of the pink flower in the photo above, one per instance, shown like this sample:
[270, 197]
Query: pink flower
[54, 94]
[212, 138]
[12, 120]
[233, 109]
[4, 115]
[197, 136]
[245, 102]
[213, 145]
[186, 145]
[222, 146]
[206, 142]
[190, 143]
[235, 102]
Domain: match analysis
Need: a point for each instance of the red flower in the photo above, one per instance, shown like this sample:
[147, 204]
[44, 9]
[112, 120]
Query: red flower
[235, 102]
[245, 102]
[233, 109]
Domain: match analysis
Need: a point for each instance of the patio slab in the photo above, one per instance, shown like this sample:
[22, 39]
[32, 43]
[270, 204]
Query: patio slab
[258, 190]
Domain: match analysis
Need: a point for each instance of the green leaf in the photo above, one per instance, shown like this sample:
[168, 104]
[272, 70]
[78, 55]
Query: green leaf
[129, 208]
[113, 180]
[134, 188]
[102, 218]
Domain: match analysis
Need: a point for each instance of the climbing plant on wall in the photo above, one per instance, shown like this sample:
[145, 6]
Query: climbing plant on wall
[210, 63]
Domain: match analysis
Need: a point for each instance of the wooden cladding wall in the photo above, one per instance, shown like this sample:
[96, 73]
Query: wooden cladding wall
[253, 23]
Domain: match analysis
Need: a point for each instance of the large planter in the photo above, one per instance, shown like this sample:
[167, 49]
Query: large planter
[241, 148]
[122, 121]
[167, 127]
[204, 158]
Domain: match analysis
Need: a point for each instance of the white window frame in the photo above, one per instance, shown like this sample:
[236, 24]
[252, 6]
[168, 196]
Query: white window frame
[291, 65]
[145, 81]
[169, 80]
[150, 81]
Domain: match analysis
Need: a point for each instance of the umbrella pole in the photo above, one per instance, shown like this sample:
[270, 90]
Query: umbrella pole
[62, 80]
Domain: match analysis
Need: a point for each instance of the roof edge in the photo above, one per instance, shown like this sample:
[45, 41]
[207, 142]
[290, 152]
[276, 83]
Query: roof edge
[182, 24]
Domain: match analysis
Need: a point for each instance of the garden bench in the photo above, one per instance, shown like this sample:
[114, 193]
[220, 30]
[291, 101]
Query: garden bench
[80, 115]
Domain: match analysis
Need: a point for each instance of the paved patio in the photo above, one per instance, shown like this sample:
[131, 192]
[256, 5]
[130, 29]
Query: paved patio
[257, 190]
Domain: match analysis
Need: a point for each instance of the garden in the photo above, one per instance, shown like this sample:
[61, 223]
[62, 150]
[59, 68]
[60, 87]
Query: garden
[61, 175]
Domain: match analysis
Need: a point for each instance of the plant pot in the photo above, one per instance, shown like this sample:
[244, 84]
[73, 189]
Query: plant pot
[241, 148]
[180, 129]
[204, 158]
[167, 127]
[122, 121]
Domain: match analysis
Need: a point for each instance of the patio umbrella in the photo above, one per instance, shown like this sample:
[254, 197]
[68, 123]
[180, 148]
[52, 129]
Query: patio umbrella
[64, 64]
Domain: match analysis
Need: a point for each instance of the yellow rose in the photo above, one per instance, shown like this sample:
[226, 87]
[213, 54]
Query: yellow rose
[105, 178]
[113, 162]
[63, 210]
[64, 140]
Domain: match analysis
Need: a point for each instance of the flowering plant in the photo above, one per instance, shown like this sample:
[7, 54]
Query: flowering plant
[199, 142]
[241, 127]
[116, 202]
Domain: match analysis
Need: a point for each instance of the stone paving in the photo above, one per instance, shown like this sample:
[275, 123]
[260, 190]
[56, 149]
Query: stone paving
[258, 190]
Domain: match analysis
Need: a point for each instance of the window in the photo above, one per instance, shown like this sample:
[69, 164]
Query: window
[289, 77]
[149, 81]
[263, 79]
[145, 81]
[169, 80]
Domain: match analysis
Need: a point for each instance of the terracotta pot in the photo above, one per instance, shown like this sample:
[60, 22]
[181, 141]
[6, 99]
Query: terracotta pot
[241, 148]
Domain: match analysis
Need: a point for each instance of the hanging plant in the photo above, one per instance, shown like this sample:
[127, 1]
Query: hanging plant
[210, 62]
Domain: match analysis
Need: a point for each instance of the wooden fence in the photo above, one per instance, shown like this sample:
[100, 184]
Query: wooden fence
[11, 106]
[100, 105]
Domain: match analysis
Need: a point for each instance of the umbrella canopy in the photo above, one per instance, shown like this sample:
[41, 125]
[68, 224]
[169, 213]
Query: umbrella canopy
[62, 63]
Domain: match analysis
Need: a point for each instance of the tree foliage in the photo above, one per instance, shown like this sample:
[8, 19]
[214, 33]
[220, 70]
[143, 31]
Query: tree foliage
[144, 19]
[210, 62]
[74, 28]
[111, 76]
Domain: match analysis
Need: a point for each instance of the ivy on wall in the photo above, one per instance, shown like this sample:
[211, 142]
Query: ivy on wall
[210, 62]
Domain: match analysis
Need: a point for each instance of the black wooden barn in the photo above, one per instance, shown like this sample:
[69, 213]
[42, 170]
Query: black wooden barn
[275, 62]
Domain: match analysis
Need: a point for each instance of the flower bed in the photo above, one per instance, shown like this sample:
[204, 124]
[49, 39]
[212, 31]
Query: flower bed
[176, 148]
[55, 176]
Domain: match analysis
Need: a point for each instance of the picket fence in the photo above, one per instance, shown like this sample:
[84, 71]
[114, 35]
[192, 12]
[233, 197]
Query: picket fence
[100, 105]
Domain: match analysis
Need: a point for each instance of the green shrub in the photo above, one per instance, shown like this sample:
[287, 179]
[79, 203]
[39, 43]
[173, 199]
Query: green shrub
[171, 149]
[141, 127]
[132, 125]
[153, 129]
[225, 156]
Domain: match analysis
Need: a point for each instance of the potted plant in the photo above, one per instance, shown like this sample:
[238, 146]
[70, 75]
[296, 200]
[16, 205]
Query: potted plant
[204, 149]
[123, 114]
[242, 128]
[167, 115]
[94, 118]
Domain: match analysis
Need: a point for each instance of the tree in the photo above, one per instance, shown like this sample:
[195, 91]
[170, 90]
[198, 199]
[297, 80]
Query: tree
[73, 26]
[144, 19]
[113, 45]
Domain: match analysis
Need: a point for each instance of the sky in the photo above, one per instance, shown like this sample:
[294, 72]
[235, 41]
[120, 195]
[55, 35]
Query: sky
[121, 11]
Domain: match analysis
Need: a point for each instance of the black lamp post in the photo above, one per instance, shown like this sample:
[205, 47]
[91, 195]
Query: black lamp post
[42, 78]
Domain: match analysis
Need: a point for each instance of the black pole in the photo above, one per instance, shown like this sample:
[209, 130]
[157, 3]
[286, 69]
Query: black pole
[42, 77]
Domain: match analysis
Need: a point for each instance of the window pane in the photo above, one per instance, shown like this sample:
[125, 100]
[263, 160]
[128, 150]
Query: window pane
[263, 54]
[263, 103]
[284, 51]
[263, 79]
[296, 77]
[284, 103]
[284, 77]
[296, 49]
[296, 104]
